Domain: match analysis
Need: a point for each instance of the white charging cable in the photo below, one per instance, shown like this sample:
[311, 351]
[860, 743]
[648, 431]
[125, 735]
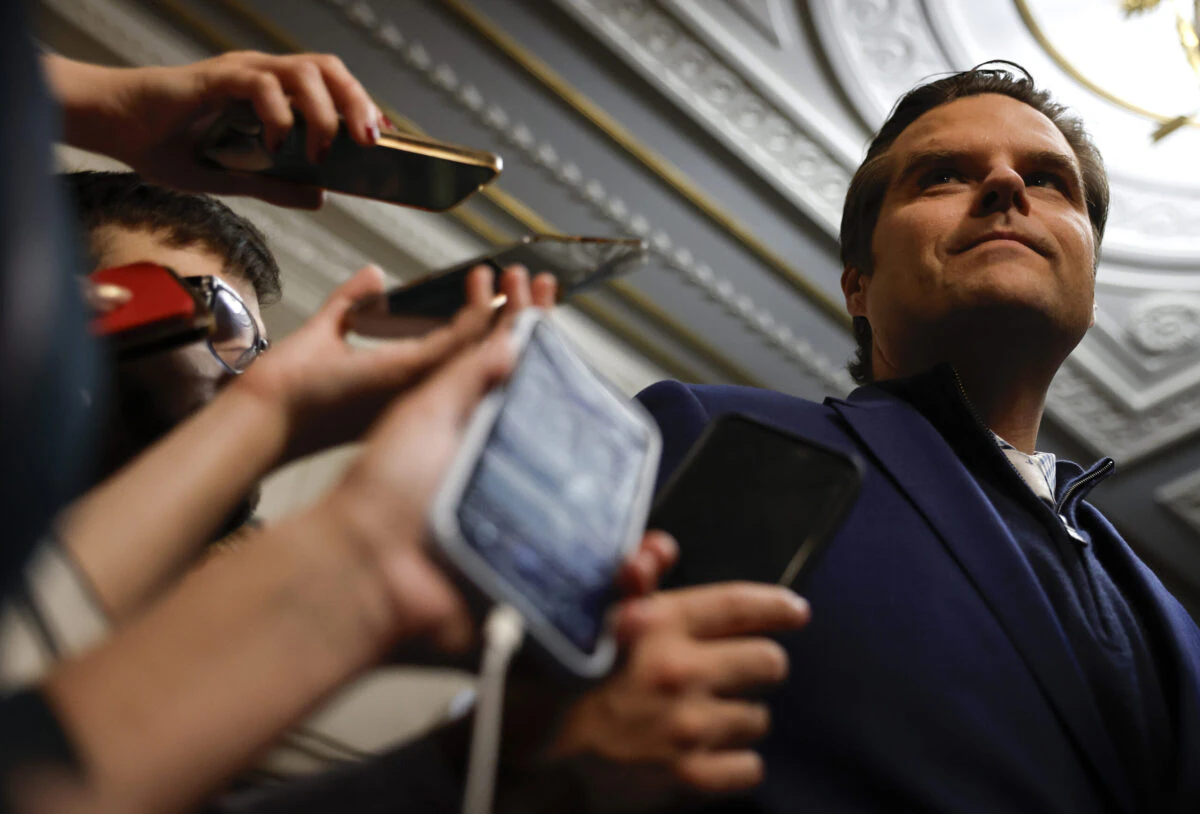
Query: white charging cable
[502, 635]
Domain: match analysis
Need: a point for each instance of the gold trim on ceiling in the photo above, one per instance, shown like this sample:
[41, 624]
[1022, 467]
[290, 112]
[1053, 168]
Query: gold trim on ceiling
[1069, 68]
[512, 206]
[607, 319]
[652, 160]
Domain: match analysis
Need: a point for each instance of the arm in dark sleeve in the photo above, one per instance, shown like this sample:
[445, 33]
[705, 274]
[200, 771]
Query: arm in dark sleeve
[30, 738]
[425, 776]
[681, 417]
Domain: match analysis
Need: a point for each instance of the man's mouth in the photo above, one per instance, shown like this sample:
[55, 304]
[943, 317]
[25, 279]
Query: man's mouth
[1001, 236]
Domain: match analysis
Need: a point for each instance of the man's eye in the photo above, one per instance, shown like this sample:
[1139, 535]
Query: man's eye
[1049, 180]
[935, 178]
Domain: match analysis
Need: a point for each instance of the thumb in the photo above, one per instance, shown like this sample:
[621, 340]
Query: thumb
[366, 281]
[452, 393]
[460, 386]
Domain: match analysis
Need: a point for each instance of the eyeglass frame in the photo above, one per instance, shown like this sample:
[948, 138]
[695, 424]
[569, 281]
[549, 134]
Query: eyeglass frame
[209, 285]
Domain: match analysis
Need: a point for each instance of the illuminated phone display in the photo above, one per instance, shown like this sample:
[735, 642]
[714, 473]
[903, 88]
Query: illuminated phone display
[555, 496]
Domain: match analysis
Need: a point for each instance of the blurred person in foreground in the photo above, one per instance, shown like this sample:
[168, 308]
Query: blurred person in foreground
[983, 640]
[194, 686]
[144, 117]
[632, 721]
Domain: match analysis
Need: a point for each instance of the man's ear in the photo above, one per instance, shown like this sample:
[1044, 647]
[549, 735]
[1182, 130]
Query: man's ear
[854, 288]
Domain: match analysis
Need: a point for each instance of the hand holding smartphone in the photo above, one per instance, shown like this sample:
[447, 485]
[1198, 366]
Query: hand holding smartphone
[401, 169]
[578, 263]
[549, 495]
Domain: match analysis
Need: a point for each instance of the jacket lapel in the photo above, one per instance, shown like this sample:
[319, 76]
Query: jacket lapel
[935, 481]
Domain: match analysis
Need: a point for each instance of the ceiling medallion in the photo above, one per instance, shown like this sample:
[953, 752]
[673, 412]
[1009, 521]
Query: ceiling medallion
[1158, 75]
[1186, 26]
[1162, 324]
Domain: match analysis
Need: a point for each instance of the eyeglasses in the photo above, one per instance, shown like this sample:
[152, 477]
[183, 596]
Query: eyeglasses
[235, 339]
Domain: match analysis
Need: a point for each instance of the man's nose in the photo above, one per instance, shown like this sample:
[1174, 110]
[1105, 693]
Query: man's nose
[1003, 189]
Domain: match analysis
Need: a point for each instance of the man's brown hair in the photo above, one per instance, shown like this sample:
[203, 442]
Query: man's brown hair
[865, 197]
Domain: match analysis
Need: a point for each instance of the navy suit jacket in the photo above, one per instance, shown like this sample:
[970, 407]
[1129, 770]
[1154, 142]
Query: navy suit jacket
[934, 675]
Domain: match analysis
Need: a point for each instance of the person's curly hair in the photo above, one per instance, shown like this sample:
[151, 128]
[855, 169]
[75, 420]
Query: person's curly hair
[184, 218]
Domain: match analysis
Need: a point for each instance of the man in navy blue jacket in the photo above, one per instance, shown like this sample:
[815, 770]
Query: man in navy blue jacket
[982, 638]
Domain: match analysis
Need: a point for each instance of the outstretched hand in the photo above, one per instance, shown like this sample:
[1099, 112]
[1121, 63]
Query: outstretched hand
[330, 391]
[152, 118]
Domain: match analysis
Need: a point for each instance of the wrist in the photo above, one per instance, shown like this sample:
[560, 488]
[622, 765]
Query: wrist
[361, 612]
[379, 543]
[91, 98]
[273, 414]
[387, 531]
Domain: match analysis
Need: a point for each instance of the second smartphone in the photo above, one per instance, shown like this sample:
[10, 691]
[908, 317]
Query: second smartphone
[401, 169]
[753, 502]
[416, 308]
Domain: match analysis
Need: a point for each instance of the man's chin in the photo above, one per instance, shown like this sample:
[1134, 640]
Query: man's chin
[1011, 319]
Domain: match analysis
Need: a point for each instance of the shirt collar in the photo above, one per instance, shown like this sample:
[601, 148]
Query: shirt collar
[938, 395]
[1037, 470]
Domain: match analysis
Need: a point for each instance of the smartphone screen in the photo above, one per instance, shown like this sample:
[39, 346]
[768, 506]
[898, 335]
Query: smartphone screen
[399, 169]
[559, 489]
[752, 502]
[422, 305]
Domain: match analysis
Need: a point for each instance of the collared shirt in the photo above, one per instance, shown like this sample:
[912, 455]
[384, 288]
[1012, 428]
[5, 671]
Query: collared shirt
[1037, 470]
[1039, 473]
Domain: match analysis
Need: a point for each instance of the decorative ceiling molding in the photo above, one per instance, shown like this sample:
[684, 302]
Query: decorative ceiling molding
[1181, 497]
[560, 169]
[769, 139]
[1097, 419]
[879, 50]
[769, 17]
[1162, 324]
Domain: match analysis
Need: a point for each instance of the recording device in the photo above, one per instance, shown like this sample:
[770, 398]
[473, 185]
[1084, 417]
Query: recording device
[752, 502]
[548, 495]
[400, 169]
[416, 308]
[164, 312]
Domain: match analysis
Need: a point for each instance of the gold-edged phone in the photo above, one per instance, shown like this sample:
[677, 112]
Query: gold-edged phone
[407, 170]
[416, 308]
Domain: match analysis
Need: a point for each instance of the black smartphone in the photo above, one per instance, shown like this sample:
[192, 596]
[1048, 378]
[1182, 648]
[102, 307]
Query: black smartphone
[753, 502]
[401, 169]
[431, 301]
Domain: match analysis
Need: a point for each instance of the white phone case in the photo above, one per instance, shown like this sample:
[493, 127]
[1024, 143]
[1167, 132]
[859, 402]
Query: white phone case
[449, 536]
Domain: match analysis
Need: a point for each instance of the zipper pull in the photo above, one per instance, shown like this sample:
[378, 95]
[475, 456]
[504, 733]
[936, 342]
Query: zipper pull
[1076, 536]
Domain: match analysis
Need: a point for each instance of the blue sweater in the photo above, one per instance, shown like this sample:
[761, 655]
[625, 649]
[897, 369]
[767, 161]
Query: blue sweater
[966, 653]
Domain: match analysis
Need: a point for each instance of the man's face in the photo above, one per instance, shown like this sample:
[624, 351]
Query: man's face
[155, 393]
[984, 227]
[182, 380]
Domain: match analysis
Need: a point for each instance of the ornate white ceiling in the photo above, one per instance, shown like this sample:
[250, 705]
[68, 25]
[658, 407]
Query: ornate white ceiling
[746, 71]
